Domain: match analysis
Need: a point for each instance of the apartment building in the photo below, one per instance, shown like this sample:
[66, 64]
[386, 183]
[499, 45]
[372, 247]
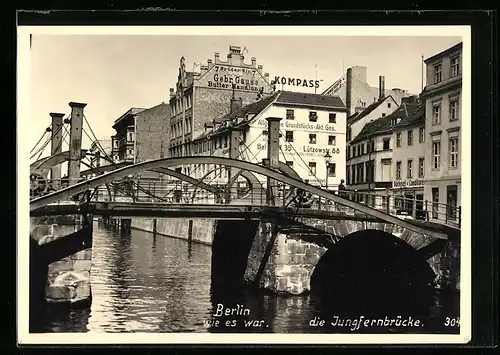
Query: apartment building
[443, 97]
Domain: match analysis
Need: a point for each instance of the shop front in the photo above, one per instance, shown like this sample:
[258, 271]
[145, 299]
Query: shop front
[409, 198]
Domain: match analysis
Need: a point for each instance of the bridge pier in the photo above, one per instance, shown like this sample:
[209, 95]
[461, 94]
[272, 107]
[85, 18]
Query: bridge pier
[281, 264]
[61, 258]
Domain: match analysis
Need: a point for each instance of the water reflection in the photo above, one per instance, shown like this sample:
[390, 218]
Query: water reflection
[147, 283]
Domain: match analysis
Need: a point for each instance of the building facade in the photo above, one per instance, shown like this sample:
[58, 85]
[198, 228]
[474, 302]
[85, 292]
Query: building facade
[443, 97]
[100, 150]
[200, 97]
[357, 94]
[408, 155]
[312, 125]
[123, 142]
[370, 157]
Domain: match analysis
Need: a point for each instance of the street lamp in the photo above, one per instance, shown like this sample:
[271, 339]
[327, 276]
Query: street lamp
[328, 159]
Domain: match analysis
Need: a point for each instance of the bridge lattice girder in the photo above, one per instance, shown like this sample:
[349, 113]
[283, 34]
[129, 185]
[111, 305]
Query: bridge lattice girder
[70, 191]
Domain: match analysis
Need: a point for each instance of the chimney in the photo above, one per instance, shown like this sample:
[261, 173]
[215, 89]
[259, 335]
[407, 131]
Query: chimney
[235, 103]
[381, 86]
[254, 62]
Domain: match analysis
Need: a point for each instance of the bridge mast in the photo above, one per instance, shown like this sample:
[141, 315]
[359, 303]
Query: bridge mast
[234, 152]
[56, 148]
[75, 141]
[273, 149]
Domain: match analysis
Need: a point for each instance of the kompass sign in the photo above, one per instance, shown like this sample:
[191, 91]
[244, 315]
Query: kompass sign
[296, 82]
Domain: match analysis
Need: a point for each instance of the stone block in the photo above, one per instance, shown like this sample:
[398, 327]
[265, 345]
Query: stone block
[282, 284]
[60, 266]
[85, 254]
[69, 287]
[82, 265]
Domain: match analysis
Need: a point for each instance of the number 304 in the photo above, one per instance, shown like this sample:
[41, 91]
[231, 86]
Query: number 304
[452, 322]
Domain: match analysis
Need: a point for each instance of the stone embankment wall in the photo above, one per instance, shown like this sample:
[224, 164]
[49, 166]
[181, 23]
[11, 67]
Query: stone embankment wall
[196, 230]
[68, 279]
[292, 260]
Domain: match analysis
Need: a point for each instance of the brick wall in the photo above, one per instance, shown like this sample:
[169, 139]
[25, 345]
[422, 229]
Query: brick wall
[152, 133]
[152, 137]
[212, 103]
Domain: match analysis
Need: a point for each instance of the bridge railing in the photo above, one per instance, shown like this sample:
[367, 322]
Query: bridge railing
[403, 207]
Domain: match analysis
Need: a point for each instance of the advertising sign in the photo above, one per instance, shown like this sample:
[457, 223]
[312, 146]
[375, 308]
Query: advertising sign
[307, 83]
[224, 77]
[302, 126]
[407, 183]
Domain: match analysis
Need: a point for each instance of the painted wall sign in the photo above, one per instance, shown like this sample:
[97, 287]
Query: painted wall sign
[407, 183]
[296, 82]
[302, 126]
[224, 77]
[304, 150]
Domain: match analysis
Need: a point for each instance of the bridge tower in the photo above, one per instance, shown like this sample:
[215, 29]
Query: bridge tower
[56, 147]
[234, 152]
[75, 142]
[273, 149]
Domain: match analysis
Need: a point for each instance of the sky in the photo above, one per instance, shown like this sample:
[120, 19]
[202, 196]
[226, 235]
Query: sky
[112, 73]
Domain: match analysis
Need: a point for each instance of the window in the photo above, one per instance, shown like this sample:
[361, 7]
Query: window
[389, 105]
[312, 169]
[398, 140]
[436, 154]
[348, 135]
[453, 152]
[332, 140]
[331, 169]
[410, 137]
[437, 73]
[290, 163]
[372, 149]
[130, 137]
[348, 175]
[387, 143]
[312, 138]
[290, 115]
[289, 136]
[383, 115]
[398, 170]
[436, 114]
[362, 147]
[409, 168]
[332, 118]
[454, 109]
[455, 66]
[421, 135]
[225, 142]
[421, 167]
[348, 152]
[313, 116]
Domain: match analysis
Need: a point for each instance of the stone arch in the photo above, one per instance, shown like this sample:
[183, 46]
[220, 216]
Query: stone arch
[372, 273]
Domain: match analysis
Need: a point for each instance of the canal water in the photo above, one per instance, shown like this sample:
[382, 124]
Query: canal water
[148, 283]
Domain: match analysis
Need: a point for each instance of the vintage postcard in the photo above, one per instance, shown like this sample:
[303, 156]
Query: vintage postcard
[292, 185]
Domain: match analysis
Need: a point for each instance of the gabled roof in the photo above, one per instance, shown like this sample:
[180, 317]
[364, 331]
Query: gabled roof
[415, 118]
[309, 99]
[252, 108]
[283, 97]
[369, 109]
[385, 124]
